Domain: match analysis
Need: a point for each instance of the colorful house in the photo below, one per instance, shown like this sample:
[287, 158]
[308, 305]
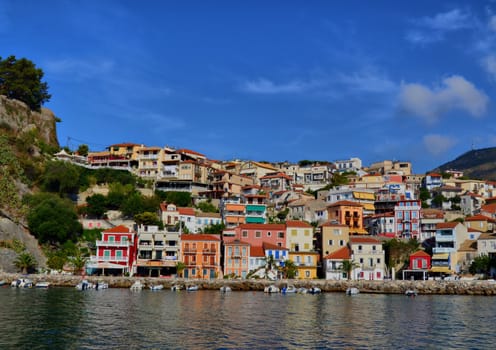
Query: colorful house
[407, 218]
[368, 253]
[115, 252]
[348, 213]
[236, 258]
[333, 264]
[257, 234]
[299, 236]
[201, 255]
[306, 264]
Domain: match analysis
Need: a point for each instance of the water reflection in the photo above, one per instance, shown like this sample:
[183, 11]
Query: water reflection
[118, 318]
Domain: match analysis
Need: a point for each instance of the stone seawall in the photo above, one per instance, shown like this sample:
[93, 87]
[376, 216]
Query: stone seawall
[459, 287]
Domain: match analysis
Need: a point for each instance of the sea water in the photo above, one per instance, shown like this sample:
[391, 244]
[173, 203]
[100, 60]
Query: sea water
[65, 318]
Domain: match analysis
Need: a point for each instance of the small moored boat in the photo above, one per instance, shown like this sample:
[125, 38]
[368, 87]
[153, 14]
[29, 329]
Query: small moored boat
[352, 291]
[42, 285]
[314, 290]
[84, 285]
[225, 289]
[156, 287]
[288, 289]
[411, 293]
[176, 288]
[22, 283]
[192, 288]
[271, 289]
[137, 286]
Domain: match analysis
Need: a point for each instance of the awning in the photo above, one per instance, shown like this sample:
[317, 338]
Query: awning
[441, 256]
[443, 269]
[106, 265]
[368, 206]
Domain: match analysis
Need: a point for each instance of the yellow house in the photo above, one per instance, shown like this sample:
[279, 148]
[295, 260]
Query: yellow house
[299, 236]
[306, 264]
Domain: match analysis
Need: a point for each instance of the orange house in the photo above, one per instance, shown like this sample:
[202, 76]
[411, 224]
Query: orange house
[347, 213]
[201, 255]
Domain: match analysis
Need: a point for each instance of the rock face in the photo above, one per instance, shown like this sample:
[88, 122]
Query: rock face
[10, 231]
[19, 118]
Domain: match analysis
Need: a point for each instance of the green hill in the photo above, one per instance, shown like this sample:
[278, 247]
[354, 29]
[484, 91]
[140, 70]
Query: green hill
[475, 164]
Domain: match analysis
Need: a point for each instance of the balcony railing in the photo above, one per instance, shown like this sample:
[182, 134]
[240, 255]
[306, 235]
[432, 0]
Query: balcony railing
[108, 258]
[113, 243]
[438, 250]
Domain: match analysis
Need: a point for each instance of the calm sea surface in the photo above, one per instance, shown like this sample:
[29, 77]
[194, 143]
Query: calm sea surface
[64, 318]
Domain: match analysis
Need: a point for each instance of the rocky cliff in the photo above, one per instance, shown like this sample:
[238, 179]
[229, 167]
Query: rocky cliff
[26, 140]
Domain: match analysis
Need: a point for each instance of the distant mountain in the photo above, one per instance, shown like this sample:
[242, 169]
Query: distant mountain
[475, 164]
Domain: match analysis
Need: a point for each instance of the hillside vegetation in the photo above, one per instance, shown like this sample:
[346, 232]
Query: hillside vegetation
[475, 164]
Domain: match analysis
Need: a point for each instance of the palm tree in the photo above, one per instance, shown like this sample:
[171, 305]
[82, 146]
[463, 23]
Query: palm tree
[78, 262]
[25, 261]
[348, 266]
[269, 264]
[180, 266]
[289, 269]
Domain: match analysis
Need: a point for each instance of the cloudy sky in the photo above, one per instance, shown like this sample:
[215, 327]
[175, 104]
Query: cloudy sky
[266, 80]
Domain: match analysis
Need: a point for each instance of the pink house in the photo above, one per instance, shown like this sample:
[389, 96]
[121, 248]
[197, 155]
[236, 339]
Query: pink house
[115, 252]
[257, 234]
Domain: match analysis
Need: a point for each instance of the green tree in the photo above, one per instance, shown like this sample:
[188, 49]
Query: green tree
[78, 262]
[52, 219]
[482, 264]
[181, 199]
[133, 205]
[56, 260]
[207, 207]
[117, 195]
[83, 150]
[348, 266]
[180, 266]
[438, 201]
[25, 262]
[289, 269]
[148, 218]
[61, 177]
[214, 228]
[96, 205]
[21, 80]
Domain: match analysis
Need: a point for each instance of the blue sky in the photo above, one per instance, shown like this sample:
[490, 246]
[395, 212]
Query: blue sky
[266, 80]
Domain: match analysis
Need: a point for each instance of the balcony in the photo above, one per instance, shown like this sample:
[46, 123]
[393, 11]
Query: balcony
[112, 244]
[439, 250]
[209, 251]
[255, 208]
[96, 258]
[445, 238]
[189, 251]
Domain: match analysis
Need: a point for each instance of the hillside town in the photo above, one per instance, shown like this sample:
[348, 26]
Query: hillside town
[305, 220]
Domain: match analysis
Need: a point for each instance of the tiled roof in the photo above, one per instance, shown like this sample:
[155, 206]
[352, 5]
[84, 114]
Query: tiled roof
[420, 253]
[340, 254]
[257, 251]
[479, 217]
[364, 240]
[199, 237]
[331, 224]
[186, 211]
[468, 246]
[297, 223]
[442, 225]
[125, 144]
[184, 150]
[271, 246]
[484, 236]
[208, 215]
[491, 208]
[276, 176]
[118, 229]
[281, 227]
[345, 203]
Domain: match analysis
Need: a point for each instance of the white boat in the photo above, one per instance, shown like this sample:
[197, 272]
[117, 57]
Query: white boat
[302, 290]
[22, 283]
[352, 291]
[101, 285]
[289, 289]
[192, 288]
[137, 286]
[156, 287]
[271, 289]
[3, 282]
[225, 289]
[84, 285]
[314, 290]
[42, 285]
[176, 288]
[411, 293]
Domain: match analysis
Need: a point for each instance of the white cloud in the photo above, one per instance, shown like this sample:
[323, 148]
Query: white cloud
[492, 23]
[455, 93]
[489, 64]
[367, 82]
[437, 144]
[76, 68]
[432, 29]
[265, 86]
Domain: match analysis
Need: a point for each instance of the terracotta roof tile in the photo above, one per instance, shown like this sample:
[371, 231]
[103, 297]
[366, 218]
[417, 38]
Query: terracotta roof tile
[118, 229]
[364, 240]
[297, 223]
[340, 254]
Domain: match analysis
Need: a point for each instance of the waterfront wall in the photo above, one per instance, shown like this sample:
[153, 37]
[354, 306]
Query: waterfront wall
[459, 287]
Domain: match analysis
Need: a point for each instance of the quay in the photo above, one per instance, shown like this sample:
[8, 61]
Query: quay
[434, 287]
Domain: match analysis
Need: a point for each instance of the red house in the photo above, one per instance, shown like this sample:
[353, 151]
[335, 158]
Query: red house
[115, 252]
[258, 234]
[420, 260]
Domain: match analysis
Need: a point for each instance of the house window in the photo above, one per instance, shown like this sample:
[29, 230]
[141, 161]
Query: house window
[307, 233]
[118, 254]
[269, 234]
[307, 274]
[245, 234]
[106, 254]
[111, 238]
[341, 243]
[281, 234]
[330, 242]
[373, 248]
[336, 232]
[378, 260]
[306, 246]
[293, 233]
[279, 244]
[379, 275]
[361, 260]
[258, 234]
[359, 248]
[371, 262]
